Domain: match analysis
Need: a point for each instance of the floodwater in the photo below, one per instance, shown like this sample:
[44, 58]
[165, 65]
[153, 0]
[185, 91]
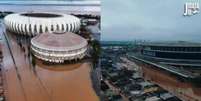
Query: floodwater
[184, 90]
[80, 7]
[66, 82]
[71, 83]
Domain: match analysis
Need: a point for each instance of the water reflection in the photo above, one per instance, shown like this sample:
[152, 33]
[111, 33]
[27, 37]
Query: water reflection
[57, 82]
[57, 67]
[67, 82]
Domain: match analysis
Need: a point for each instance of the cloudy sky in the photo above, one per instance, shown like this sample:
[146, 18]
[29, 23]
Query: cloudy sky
[149, 20]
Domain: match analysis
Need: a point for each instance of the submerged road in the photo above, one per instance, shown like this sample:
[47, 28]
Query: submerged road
[47, 82]
[11, 79]
[24, 76]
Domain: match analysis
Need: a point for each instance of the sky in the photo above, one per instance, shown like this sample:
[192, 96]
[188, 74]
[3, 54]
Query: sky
[49, 0]
[154, 20]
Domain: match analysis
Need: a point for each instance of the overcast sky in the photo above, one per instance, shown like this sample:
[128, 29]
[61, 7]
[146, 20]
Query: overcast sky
[149, 20]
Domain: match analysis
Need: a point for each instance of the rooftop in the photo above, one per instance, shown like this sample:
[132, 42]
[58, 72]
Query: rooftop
[166, 96]
[172, 44]
[59, 41]
[171, 69]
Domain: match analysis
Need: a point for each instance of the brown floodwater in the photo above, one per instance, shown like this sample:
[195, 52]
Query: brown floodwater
[184, 90]
[64, 82]
[67, 83]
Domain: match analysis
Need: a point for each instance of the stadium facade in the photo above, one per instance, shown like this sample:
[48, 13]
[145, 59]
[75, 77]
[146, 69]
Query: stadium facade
[59, 46]
[180, 59]
[174, 53]
[35, 23]
[54, 38]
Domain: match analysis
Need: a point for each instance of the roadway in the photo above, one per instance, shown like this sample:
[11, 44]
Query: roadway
[9, 73]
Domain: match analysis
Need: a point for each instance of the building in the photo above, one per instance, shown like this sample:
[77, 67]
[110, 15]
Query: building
[35, 23]
[174, 53]
[54, 39]
[174, 66]
[58, 46]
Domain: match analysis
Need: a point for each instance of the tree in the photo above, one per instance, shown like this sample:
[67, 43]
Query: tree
[96, 51]
[197, 81]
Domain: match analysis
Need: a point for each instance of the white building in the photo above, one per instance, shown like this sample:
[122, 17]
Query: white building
[58, 46]
[35, 23]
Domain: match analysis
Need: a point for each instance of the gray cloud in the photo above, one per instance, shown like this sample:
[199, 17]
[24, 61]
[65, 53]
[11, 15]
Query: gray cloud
[148, 19]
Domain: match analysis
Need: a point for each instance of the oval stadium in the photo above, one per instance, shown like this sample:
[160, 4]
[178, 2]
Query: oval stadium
[58, 46]
[34, 23]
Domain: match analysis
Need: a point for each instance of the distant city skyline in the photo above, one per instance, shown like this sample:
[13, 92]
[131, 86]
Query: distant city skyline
[30, 1]
[84, 6]
[154, 20]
